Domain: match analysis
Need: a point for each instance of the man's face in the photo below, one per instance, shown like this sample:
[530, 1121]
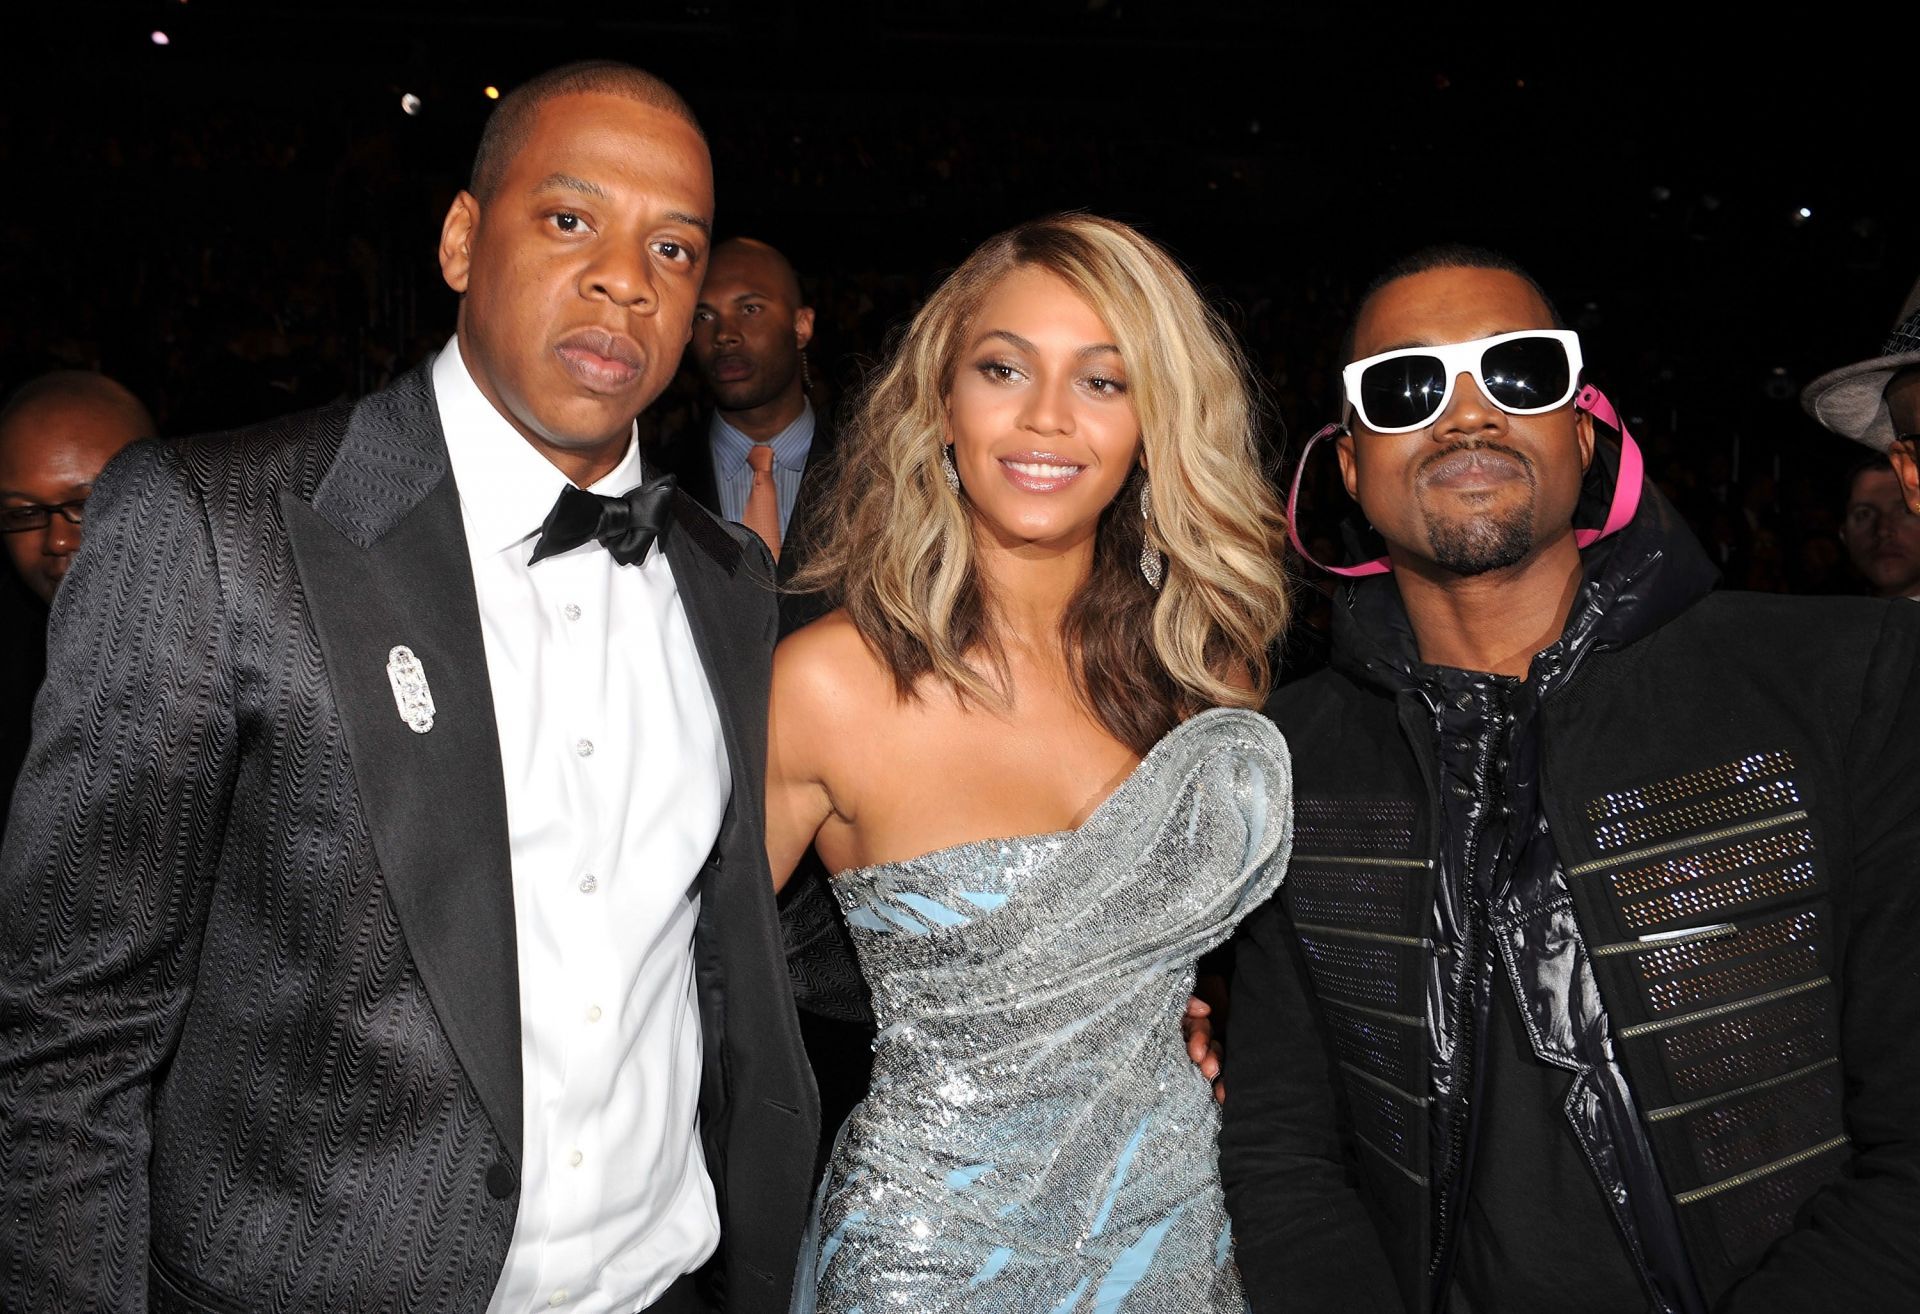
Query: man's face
[578, 275]
[1478, 489]
[50, 455]
[1881, 535]
[749, 328]
[1903, 404]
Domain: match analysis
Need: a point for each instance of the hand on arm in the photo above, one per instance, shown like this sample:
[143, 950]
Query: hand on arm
[1197, 1025]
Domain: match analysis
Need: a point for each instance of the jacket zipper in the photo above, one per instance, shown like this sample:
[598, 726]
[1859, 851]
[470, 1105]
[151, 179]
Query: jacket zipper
[1371, 937]
[1690, 842]
[1751, 1088]
[1665, 940]
[1755, 1174]
[1464, 1073]
[1720, 1010]
[1436, 812]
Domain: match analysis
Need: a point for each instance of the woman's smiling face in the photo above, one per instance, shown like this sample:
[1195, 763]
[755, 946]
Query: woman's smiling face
[1040, 414]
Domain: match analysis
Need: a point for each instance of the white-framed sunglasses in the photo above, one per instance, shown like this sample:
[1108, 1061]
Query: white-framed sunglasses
[1525, 373]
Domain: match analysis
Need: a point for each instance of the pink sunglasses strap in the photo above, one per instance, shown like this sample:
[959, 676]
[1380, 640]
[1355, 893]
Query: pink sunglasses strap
[1633, 473]
[1626, 488]
[1378, 566]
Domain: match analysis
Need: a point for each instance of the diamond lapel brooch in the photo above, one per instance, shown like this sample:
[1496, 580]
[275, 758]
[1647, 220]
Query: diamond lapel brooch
[410, 692]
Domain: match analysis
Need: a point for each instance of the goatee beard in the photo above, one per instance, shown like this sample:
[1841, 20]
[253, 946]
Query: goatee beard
[1483, 543]
[1475, 544]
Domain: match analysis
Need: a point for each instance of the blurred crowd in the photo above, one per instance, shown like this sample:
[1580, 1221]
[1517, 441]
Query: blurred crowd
[280, 260]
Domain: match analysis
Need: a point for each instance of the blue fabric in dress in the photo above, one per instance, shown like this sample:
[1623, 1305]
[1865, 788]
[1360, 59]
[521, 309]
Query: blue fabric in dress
[1036, 1139]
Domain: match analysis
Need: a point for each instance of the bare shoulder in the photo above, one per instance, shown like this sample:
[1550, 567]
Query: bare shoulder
[826, 671]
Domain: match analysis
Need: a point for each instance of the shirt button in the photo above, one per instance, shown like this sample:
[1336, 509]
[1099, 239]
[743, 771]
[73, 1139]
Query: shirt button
[575, 1158]
[583, 747]
[571, 611]
[589, 883]
[558, 1298]
[593, 1013]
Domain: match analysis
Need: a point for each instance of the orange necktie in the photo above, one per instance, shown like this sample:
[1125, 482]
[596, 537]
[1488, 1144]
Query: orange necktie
[762, 515]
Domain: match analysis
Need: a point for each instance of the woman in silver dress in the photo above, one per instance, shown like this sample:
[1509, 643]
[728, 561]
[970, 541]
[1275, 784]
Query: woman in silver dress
[1024, 745]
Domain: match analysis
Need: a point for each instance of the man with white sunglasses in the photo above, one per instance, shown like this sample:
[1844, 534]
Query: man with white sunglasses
[1595, 983]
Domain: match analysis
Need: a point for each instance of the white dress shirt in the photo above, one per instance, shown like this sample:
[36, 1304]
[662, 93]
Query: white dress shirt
[616, 781]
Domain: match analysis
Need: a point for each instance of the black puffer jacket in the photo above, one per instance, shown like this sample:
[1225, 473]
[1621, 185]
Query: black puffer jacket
[1688, 841]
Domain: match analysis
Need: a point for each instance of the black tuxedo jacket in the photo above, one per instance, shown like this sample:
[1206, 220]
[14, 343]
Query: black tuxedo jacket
[688, 456]
[259, 1011]
[836, 1019]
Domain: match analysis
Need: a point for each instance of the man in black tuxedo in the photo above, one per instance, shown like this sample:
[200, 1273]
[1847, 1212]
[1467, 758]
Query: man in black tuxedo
[759, 456]
[389, 924]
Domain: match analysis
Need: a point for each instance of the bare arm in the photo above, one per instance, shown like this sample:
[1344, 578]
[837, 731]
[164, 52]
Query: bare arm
[803, 726]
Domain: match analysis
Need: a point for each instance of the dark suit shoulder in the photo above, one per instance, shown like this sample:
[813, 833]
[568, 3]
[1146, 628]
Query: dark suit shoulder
[1314, 698]
[1815, 623]
[291, 452]
[730, 545]
[1776, 645]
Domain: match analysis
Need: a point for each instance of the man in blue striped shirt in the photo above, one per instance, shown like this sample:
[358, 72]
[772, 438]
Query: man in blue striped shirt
[750, 331]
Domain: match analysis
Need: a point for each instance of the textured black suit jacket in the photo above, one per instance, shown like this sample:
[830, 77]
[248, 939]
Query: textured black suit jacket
[259, 1011]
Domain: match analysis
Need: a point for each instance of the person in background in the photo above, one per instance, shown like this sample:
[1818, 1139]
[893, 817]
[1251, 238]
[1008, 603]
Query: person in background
[1880, 532]
[758, 456]
[1877, 402]
[57, 433]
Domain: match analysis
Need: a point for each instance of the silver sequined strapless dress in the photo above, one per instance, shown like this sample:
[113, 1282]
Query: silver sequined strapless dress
[1036, 1139]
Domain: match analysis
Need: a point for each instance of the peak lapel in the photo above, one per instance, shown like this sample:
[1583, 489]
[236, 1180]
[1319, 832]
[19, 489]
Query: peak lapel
[382, 557]
[730, 607]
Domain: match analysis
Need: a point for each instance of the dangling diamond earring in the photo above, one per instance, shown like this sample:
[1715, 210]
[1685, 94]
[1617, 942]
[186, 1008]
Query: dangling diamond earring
[946, 468]
[1152, 564]
[806, 376]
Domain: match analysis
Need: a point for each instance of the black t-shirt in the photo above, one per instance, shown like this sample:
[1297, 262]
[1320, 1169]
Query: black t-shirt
[1536, 1233]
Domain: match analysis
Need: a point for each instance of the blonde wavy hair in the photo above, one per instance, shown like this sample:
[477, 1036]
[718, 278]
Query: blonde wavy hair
[896, 547]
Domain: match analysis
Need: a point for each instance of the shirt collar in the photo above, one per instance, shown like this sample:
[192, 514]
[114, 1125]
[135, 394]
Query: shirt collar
[790, 445]
[506, 486]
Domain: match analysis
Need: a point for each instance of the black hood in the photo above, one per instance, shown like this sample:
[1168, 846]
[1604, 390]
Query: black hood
[1635, 581]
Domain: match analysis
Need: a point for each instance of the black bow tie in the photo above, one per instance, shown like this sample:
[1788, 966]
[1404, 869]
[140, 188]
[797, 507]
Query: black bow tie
[627, 525]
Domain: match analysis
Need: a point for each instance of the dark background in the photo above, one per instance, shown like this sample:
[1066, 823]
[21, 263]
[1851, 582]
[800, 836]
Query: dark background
[242, 222]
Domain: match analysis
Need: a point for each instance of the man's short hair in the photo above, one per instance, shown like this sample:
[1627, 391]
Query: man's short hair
[512, 119]
[85, 387]
[1445, 255]
[1877, 463]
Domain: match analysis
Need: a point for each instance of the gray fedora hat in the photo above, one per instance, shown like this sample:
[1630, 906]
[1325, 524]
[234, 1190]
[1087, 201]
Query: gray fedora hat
[1851, 401]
